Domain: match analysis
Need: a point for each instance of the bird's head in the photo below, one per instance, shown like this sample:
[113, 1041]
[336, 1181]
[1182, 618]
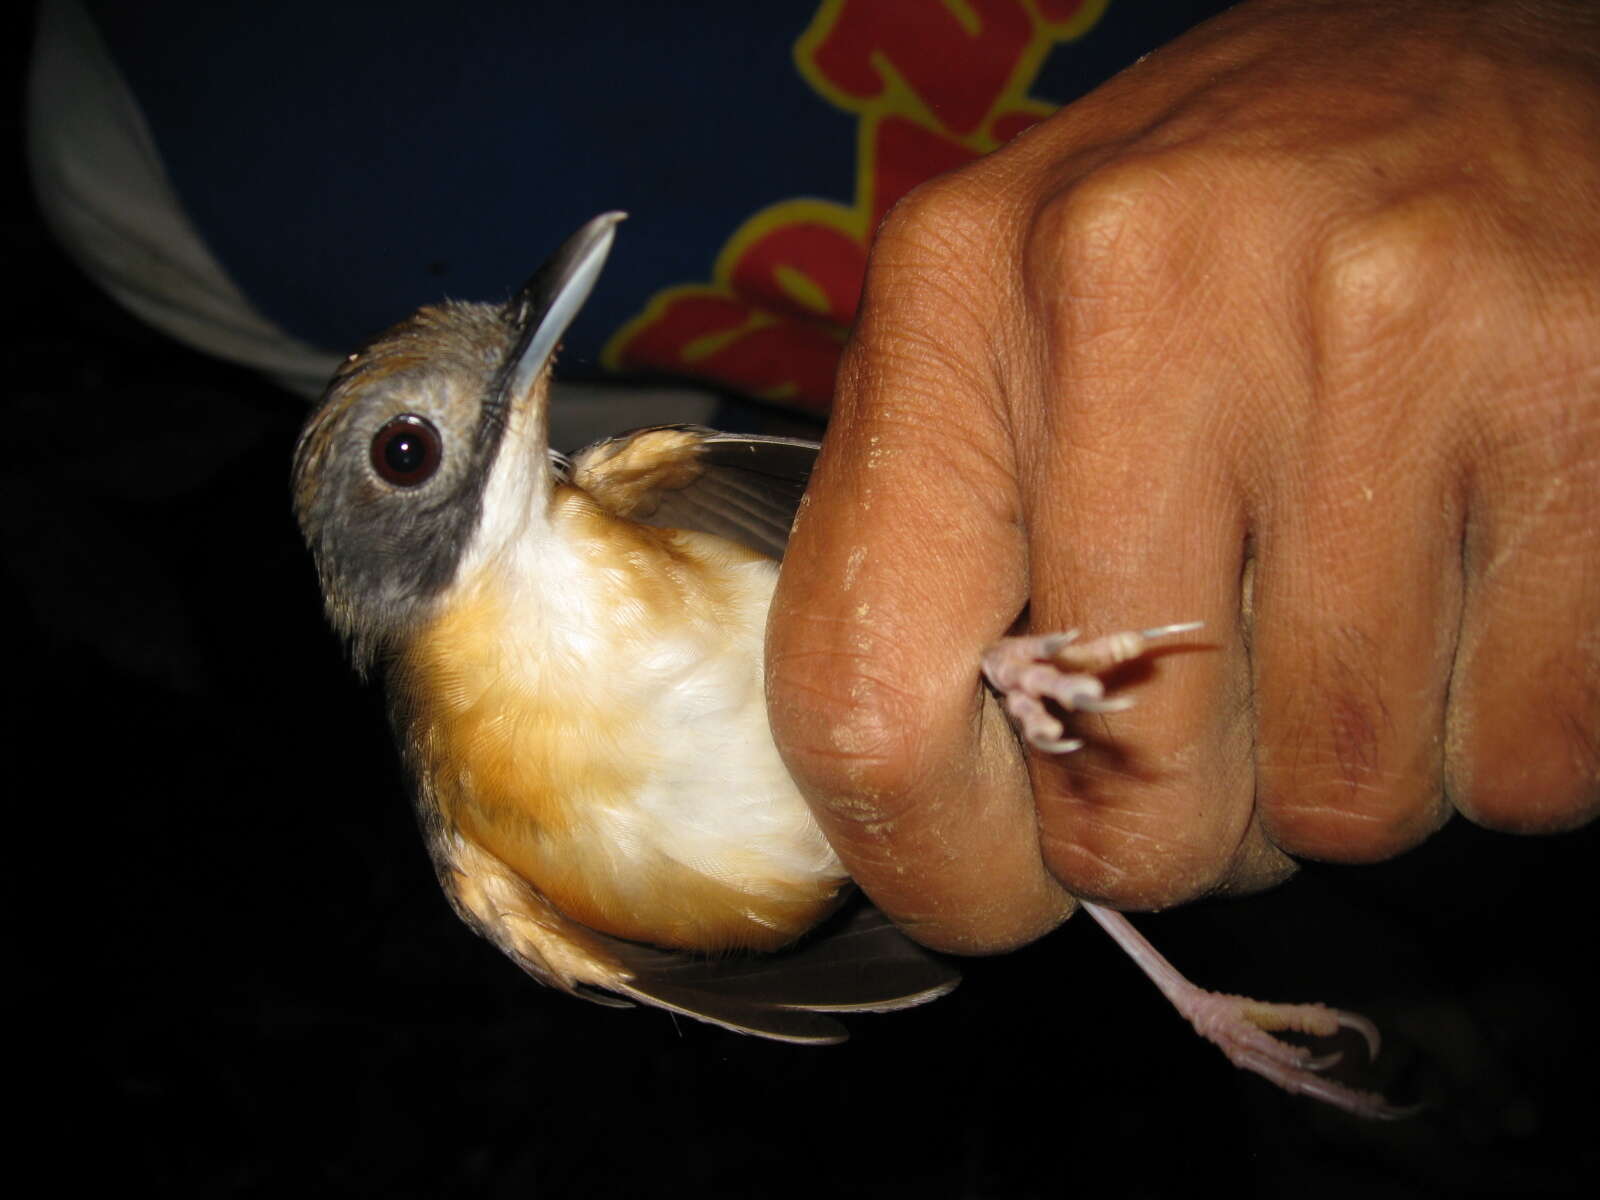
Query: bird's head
[430, 448]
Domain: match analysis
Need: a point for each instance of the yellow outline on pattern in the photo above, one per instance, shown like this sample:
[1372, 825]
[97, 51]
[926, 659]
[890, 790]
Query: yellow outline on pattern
[896, 99]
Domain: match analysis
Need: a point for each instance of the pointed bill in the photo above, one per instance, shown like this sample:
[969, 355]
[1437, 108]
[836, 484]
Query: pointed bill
[550, 301]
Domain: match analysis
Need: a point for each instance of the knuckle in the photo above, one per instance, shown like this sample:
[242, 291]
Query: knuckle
[1112, 232]
[949, 218]
[929, 299]
[1377, 277]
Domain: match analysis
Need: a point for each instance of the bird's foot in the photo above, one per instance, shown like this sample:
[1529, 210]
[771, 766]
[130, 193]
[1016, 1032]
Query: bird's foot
[1243, 1028]
[1027, 671]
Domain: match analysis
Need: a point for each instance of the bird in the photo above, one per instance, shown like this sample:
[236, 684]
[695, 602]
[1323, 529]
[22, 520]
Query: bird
[572, 653]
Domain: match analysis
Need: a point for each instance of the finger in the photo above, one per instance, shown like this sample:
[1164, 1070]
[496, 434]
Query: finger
[1156, 808]
[1358, 584]
[1523, 743]
[1139, 520]
[906, 562]
[1354, 624]
[1523, 749]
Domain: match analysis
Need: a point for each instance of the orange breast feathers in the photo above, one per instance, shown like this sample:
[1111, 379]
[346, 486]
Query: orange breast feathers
[595, 719]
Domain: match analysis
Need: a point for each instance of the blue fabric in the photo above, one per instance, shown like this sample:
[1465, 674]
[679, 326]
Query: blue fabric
[349, 162]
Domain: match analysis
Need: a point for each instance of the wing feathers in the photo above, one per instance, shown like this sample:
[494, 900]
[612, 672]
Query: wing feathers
[743, 487]
[857, 962]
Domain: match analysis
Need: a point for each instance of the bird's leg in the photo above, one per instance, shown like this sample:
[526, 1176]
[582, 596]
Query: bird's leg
[1027, 671]
[1241, 1028]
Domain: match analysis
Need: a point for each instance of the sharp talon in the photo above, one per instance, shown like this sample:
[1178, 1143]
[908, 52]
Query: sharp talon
[1367, 1030]
[1096, 705]
[1391, 1112]
[1168, 630]
[1323, 1061]
[1030, 673]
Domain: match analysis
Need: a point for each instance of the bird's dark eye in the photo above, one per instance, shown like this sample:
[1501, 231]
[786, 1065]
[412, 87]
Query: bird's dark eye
[406, 451]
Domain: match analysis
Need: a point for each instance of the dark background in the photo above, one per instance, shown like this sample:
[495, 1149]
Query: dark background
[248, 983]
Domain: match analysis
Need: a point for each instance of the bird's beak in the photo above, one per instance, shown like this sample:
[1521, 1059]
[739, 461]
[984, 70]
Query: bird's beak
[547, 304]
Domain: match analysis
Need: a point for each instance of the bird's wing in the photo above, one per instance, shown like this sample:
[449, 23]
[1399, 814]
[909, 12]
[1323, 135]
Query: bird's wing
[857, 962]
[743, 487]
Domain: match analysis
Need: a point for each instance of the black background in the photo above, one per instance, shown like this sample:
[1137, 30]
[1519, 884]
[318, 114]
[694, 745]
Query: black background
[247, 983]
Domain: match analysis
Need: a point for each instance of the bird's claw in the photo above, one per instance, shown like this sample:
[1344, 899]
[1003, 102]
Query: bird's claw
[1243, 1028]
[1056, 667]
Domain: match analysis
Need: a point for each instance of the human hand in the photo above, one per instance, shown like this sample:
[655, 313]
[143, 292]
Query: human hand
[1293, 328]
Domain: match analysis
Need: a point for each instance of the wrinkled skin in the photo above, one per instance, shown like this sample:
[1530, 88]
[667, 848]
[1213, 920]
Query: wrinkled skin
[1293, 328]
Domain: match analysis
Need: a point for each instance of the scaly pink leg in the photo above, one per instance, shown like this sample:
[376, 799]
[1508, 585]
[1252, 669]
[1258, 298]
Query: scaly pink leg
[1239, 1027]
[1027, 671]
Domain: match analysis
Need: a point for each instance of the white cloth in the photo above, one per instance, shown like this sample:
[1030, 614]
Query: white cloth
[101, 185]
